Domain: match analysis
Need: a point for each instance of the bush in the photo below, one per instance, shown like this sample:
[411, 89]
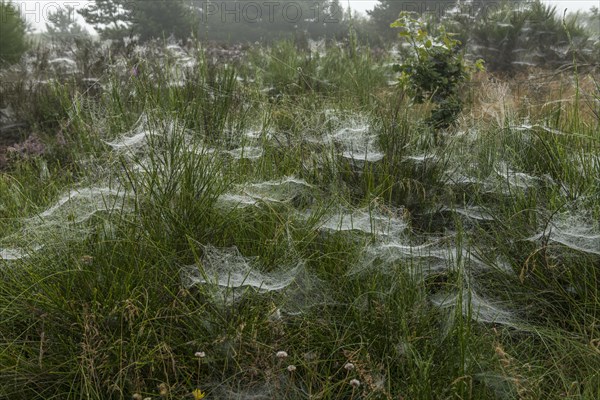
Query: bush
[434, 70]
[12, 34]
[514, 35]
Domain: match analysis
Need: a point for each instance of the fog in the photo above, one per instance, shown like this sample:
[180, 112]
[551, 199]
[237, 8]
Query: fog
[36, 12]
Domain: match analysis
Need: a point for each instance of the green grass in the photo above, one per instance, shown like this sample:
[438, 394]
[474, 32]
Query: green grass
[103, 310]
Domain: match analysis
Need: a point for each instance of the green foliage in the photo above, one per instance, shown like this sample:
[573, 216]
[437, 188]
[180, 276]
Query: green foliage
[13, 28]
[148, 19]
[334, 69]
[232, 21]
[159, 19]
[110, 18]
[435, 70]
[270, 22]
[63, 27]
[525, 33]
[387, 11]
[100, 305]
[591, 20]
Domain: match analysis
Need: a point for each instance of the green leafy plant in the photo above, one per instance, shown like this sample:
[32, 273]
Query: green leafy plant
[433, 70]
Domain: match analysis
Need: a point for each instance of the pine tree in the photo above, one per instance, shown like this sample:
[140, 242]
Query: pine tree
[246, 20]
[13, 42]
[148, 19]
[110, 18]
[162, 18]
[62, 25]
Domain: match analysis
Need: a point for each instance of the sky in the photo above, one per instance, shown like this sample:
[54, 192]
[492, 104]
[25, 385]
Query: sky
[36, 11]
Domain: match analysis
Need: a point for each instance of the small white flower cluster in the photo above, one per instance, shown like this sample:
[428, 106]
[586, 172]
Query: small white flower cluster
[282, 355]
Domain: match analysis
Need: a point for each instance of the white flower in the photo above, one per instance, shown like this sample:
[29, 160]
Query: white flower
[355, 383]
[200, 354]
[282, 355]
[291, 368]
[349, 366]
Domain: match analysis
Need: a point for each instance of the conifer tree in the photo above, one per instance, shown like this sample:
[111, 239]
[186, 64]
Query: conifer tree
[148, 19]
[13, 29]
[63, 26]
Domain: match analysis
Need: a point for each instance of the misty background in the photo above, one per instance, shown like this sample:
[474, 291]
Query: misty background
[36, 12]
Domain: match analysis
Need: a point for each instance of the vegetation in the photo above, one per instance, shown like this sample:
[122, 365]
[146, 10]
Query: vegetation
[224, 21]
[201, 221]
[146, 19]
[62, 26]
[434, 70]
[13, 29]
[387, 11]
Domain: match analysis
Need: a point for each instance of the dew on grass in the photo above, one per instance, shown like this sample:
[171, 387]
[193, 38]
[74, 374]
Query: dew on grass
[376, 222]
[258, 134]
[478, 307]
[471, 212]
[276, 191]
[12, 254]
[241, 200]
[422, 158]
[424, 259]
[136, 138]
[66, 219]
[457, 178]
[572, 231]
[229, 276]
[228, 268]
[78, 205]
[248, 152]
[358, 143]
[516, 179]
[363, 156]
[352, 140]
[63, 65]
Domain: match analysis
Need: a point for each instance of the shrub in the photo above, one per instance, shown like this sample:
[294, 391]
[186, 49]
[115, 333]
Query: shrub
[63, 27]
[13, 28]
[434, 70]
[512, 35]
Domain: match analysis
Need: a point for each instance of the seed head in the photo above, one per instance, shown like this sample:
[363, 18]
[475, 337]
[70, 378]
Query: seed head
[163, 390]
[349, 366]
[282, 355]
[86, 260]
[200, 354]
[291, 368]
[198, 394]
[355, 383]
